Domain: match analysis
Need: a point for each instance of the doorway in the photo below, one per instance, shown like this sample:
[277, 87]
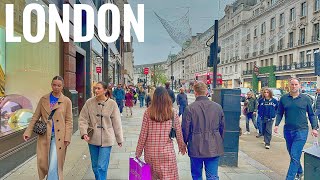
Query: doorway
[80, 79]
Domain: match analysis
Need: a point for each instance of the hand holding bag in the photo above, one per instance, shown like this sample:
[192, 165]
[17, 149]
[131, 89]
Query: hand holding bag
[172, 134]
[40, 127]
[139, 170]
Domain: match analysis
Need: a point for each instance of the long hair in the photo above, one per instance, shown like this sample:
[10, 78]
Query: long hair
[160, 109]
[270, 93]
[151, 92]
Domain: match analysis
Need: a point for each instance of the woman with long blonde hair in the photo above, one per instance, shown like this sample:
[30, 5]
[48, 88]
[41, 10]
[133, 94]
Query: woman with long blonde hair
[154, 137]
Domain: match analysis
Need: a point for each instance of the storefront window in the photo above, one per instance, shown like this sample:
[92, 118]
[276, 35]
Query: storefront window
[283, 84]
[26, 71]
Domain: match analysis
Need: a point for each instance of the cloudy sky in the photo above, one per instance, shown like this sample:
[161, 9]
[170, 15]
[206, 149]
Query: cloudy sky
[158, 44]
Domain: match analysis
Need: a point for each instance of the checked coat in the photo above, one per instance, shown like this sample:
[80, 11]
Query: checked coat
[158, 147]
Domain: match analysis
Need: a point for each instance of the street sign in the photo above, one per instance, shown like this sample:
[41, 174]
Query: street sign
[146, 71]
[98, 69]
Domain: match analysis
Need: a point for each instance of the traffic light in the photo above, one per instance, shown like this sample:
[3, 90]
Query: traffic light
[172, 78]
[209, 63]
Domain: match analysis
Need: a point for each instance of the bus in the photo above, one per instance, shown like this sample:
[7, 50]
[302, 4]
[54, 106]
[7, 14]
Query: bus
[208, 77]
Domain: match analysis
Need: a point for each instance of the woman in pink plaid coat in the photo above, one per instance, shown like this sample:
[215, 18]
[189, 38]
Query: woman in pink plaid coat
[154, 137]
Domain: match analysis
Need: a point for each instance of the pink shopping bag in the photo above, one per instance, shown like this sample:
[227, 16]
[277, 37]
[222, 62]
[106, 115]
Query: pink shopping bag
[139, 170]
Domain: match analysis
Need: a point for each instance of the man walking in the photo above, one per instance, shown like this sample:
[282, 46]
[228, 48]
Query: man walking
[295, 106]
[182, 101]
[119, 96]
[171, 93]
[203, 128]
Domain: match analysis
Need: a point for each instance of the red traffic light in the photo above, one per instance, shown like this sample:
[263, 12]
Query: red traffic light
[146, 71]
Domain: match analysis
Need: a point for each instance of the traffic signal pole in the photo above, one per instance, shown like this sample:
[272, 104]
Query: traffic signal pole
[214, 54]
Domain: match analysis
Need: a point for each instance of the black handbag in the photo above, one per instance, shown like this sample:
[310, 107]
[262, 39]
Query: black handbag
[40, 127]
[172, 133]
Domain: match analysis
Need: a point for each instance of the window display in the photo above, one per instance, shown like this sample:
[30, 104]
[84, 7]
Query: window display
[26, 72]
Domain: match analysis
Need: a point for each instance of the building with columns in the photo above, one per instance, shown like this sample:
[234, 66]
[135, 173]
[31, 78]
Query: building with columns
[279, 37]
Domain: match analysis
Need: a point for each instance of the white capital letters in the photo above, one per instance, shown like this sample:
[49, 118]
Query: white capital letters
[115, 23]
[63, 25]
[78, 8]
[10, 25]
[138, 26]
[40, 23]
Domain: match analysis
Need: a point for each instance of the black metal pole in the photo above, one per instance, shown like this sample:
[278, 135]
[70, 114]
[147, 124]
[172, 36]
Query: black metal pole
[214, 49]
[146, 80]
[171, 74]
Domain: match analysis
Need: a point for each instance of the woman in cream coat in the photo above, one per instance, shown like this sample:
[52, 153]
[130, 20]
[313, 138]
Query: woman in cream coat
[52, 146]
[100, 126]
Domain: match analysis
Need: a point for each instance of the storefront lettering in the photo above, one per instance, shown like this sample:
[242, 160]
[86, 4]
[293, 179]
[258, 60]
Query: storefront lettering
[64, 27]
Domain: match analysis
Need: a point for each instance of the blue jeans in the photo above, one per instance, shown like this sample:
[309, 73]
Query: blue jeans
[53, 160]
[251, 116]
[181, 109]
[210, 165]
[259, 124]
[295, 140]
[141, 99]
[100, 157]
[120, 104]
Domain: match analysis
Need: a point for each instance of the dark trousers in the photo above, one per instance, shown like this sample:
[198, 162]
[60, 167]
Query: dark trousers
[267, 131]
[252, 117]
[295, 140]
[120, 105]
[181, 109]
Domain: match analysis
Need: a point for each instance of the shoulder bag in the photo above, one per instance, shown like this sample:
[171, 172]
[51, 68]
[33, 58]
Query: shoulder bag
[40, 127]
[172, 134]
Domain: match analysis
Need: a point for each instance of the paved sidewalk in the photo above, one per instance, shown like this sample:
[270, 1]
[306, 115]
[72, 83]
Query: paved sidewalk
[78, 165]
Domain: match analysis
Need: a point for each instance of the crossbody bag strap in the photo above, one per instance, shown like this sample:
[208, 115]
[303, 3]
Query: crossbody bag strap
[51, 114]
[172, 125]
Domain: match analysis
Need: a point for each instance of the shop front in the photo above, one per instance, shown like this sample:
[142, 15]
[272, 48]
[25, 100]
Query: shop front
[308, 83]
[26, 72]
[282, 82]
[247, 83]
[227, 84]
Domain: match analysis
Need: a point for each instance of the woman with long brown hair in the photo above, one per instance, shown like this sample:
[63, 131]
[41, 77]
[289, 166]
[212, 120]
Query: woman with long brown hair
[267, 108]
[154, 137]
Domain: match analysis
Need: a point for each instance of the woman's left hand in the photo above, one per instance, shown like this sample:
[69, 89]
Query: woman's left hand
[66, 143]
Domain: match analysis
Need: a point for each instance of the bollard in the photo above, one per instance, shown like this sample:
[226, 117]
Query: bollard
[229, 99]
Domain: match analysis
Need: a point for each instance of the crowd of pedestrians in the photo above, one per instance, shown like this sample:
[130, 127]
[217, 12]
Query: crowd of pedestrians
[199, 133]
[297, 109]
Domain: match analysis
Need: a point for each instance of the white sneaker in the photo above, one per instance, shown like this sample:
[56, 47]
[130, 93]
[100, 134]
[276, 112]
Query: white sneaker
[246, 133]
[267, 147]
[121, 115]
[258, 131]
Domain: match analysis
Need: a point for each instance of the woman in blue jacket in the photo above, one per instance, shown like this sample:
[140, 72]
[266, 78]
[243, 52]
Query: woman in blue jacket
[267, 108]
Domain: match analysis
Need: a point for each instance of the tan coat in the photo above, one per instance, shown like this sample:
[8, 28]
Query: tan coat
[111, 130]
[62, 128]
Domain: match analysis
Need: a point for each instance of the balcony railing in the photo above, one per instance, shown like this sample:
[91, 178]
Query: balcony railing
[284, 68]
[303, 65]
[247, 72]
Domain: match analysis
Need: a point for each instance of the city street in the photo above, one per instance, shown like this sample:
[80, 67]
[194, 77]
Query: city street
[252, 162]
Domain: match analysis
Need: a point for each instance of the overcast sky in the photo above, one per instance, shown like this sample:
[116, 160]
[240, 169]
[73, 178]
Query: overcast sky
[158, 43]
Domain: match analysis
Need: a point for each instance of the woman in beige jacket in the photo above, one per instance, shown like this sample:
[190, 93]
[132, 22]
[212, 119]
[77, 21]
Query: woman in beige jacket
[52, 146]
[100, 125]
